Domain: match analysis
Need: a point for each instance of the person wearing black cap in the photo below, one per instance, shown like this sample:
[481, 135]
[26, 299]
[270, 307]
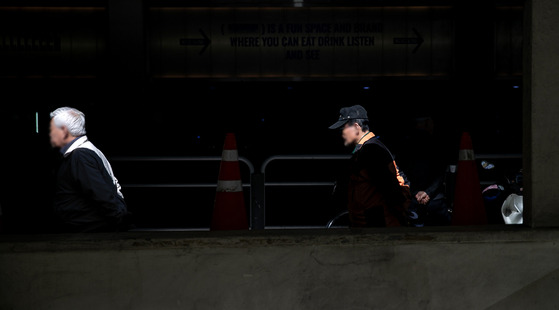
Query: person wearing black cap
[378, 193]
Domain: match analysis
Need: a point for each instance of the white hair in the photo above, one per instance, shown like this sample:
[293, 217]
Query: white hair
[70, 118]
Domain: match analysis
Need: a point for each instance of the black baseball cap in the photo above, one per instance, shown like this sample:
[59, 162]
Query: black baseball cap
[350, 113]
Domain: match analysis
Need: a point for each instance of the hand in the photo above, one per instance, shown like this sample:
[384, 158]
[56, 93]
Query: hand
[422, 197]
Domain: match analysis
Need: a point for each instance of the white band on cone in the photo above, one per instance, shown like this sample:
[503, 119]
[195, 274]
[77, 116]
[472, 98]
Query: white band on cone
[466, 155]
[229, 186]
[230, 155]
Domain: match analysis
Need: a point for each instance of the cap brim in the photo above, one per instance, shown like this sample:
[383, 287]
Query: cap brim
[338, 124]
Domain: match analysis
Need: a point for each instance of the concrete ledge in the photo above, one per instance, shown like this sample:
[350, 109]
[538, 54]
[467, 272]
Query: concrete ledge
[306, 237]
[410, 268]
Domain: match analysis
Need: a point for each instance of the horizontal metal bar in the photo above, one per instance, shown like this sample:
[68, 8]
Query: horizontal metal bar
[294, 227]
[192, 185]
[302, 157]
[208, 229]
[180, 158]
[299, 183]
[498, 156]
[170, 229]
[166, 158]
[287, 184]
[338, 157]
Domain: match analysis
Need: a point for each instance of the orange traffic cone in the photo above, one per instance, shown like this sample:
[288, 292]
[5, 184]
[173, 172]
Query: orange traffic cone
[229, 211]
[469, 208]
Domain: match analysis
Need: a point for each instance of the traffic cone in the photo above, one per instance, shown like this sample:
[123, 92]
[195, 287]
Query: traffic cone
[229, 211]
[469, 208]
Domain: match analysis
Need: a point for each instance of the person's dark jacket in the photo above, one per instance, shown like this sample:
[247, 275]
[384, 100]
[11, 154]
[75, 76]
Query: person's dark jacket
[86, 197]
[378, 194]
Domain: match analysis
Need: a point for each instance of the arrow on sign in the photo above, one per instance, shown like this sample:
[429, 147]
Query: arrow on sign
[205, 42]
[418, 40]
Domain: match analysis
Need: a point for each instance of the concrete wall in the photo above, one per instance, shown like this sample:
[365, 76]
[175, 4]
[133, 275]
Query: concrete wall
[515, 268]
[541, 112]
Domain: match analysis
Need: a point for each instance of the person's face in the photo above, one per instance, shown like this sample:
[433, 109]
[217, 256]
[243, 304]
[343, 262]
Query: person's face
[350, 133]
[57, 135]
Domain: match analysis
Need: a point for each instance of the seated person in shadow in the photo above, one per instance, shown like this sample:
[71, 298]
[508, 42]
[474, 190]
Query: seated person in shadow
[425, 162]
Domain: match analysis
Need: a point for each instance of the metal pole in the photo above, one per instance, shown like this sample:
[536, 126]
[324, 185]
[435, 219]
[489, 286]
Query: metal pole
[257, 201]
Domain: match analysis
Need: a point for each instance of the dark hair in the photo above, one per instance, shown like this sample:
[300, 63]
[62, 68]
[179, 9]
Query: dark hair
[362, 122]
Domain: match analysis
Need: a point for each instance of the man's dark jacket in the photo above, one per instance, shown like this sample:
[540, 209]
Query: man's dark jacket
[86, 197]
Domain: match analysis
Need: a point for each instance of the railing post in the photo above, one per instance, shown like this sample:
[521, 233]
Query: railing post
[257, 201]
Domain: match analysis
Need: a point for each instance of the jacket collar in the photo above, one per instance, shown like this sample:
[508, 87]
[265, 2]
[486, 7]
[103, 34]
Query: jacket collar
[75, 144]
[368, 136]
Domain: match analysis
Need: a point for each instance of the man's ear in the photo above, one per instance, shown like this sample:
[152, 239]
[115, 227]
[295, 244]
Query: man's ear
[65, 131]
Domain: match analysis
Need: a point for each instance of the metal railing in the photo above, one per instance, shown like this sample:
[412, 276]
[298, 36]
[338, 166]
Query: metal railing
[178, 159]
[244, 160]
[258, 181]
[300, 157]
[260, 191]
[259, 184]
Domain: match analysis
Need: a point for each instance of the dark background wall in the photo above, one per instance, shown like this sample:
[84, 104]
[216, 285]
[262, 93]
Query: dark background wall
[132, 113]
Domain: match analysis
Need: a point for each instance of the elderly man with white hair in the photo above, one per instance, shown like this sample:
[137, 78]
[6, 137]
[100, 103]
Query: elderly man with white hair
[88, 196]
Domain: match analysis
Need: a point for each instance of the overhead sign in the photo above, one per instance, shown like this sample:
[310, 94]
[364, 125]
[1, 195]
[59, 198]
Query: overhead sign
[300, 42]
